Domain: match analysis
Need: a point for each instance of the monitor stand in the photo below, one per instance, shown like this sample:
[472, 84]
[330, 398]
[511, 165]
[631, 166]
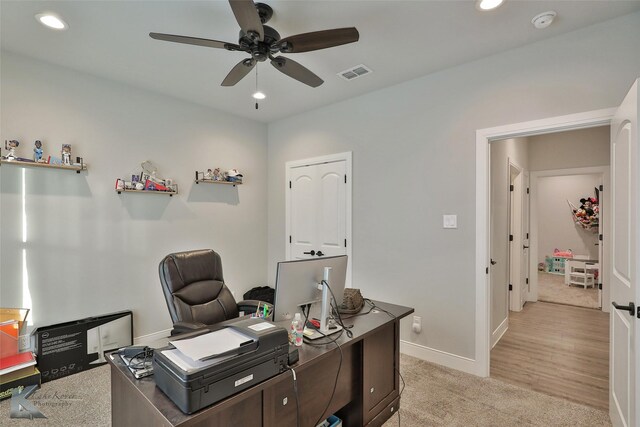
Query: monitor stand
[325, 328]
[314, 334]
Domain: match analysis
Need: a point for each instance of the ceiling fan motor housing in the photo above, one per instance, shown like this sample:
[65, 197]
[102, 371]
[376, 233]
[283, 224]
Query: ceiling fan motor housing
[260, 50]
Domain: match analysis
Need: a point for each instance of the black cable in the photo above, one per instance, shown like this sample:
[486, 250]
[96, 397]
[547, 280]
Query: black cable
[137, 364]
[374, 306]
[340, 322]
[335, 383]
[404, 385]
[361, 313]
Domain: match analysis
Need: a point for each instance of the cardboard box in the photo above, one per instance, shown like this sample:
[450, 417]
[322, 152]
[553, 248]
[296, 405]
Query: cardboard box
[18, 380]
[72, 347]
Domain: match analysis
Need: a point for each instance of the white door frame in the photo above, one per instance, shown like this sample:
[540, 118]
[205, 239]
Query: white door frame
[605, 201]
[347, 158]
[515, 219]
[483, 202]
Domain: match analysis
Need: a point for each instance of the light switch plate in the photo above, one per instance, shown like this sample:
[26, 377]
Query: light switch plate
[450, 221]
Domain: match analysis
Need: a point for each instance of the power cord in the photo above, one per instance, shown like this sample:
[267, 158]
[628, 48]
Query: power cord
[404, 385]
[374, 306]
[337, 311]
[295, 389]
[138, 362]
[335, 383]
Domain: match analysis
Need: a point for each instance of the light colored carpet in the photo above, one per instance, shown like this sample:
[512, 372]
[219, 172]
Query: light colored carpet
[551, 288]
[439, 396]
[434, 396]
[83, 399]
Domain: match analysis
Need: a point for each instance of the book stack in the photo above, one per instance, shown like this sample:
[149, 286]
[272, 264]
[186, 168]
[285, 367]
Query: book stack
[17, 369]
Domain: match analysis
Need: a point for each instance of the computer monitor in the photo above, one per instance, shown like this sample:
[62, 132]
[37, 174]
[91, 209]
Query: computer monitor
[297, 284]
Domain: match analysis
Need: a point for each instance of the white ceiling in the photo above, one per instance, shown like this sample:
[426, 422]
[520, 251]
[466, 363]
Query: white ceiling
[399, 40]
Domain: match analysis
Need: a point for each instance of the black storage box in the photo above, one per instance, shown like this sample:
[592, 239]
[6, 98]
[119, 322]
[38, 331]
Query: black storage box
[72, 347]
[206, 386]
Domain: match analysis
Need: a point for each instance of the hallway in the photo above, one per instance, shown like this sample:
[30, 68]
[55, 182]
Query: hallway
[556, 349]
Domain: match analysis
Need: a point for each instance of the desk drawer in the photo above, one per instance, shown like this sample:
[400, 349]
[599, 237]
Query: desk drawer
[386, 413]
[380, 380]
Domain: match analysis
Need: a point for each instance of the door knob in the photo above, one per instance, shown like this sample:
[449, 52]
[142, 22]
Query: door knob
[631, 308]
[319, 253]
[311, 252]
[493, 262]
[525, 247]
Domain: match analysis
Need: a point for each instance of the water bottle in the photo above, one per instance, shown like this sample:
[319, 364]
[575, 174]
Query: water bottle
[297, 329]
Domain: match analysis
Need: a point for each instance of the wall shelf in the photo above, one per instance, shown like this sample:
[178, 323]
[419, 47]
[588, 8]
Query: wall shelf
[169, 193]
[210, 181]
[77, 168]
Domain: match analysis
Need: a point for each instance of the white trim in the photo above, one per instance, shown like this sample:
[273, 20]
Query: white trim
[439, 357]
[151, 338]
[603, 171]
[499, 332]
[347, 157]
[515, 223]
[483, 226]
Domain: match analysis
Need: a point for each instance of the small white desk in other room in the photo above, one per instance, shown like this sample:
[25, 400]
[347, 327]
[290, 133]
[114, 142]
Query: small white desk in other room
[581, 272]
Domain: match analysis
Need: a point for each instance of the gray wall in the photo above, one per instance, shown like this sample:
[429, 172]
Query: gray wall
[573, 149]
[556, 228]
[414, 159]
[514, 150]
[90, 251]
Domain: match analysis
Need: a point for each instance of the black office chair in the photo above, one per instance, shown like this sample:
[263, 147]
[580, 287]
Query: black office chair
[195, 292]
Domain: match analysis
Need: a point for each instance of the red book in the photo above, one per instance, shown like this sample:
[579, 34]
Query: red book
[15, 362]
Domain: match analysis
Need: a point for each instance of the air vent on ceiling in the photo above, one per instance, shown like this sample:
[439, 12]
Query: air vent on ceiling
[355, 72]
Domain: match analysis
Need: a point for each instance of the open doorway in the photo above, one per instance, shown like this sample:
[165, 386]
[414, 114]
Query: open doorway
[534, 314]
[567, 227]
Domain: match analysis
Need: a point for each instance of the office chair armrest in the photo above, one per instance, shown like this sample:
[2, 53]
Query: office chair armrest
[249, 306]
[182, 327]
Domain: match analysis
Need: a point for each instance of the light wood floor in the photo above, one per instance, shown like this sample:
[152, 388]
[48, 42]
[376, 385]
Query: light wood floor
[558, 350]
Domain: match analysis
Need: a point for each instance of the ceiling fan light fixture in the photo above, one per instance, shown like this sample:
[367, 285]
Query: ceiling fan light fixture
[259, 95]
[51, 20]
[485, 5]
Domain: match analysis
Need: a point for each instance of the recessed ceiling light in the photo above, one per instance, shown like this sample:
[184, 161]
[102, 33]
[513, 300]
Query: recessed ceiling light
[51, 20]
[488, 4]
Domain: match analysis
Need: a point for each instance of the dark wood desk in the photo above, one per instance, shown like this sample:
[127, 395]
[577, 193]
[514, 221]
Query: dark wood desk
[367, 392]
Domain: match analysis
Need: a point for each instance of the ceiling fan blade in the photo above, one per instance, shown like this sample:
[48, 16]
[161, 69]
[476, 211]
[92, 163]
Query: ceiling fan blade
[294, 70]
[247, 16]
[238, 72]
[318, 40]
[194, 40]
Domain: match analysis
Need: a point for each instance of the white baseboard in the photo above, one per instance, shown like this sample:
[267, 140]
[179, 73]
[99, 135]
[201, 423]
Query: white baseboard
[439, 357]
[152, 338]
[499, 332]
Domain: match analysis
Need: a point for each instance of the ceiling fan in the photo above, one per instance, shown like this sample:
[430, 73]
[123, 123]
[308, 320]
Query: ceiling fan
[263, 42]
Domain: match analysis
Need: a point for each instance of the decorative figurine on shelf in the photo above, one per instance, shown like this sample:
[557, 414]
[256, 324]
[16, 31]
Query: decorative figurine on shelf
[217, 175]
[37, 152]
[208, 174]
[66, 154]
[234, 176]
[11, 146]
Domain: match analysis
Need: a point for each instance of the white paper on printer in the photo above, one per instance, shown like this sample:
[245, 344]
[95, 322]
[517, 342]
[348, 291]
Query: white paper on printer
[212, 343]
[188, 365]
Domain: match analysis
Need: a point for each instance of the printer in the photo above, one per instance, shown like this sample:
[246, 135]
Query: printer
[192, 384]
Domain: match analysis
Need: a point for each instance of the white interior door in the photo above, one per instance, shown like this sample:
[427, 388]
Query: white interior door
[524, 264]
[318, 210]
[625, 333]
